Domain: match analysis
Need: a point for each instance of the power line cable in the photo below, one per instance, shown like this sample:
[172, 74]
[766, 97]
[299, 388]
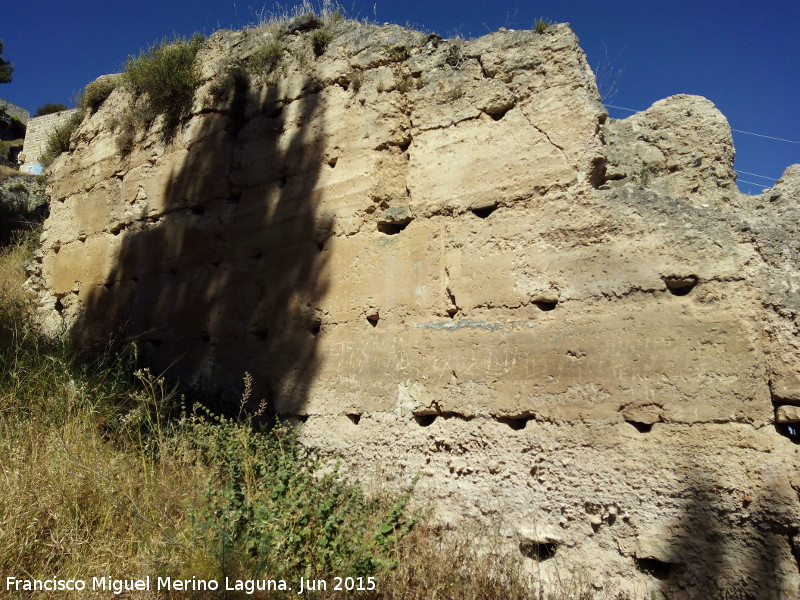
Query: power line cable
[755, 174]
[761, 185]
[769, 137]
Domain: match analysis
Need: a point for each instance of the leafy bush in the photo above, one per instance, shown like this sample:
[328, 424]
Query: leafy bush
[49, 108]
[96, 93]
[541, 25]
[273, 507]
[165, 77]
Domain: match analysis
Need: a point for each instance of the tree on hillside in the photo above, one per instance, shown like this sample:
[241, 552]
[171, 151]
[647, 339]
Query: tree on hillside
[46, 109]
[6, 68]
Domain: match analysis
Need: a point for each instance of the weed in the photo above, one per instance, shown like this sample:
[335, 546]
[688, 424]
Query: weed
[356, 79]
[455, 56]
[454, 93]
[453, 567]
[334, 15]
[165, 77]
[320, 38]
[96, 93]
[266, 59]
[125, 128]
[329, 11]
[271, 506]
[542, 25]
[60, 138]
[397, 53]
[406, 83]
[644, 175]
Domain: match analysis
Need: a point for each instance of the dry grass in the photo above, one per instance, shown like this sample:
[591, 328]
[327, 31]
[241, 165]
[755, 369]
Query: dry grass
[6, 172]
[330, 11]
[445, 565]
[16, 304]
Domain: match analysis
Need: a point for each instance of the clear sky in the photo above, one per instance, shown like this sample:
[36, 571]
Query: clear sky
[743, 55]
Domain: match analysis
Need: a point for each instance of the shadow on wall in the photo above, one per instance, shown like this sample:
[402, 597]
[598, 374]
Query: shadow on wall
[729, 545]
[224, 277]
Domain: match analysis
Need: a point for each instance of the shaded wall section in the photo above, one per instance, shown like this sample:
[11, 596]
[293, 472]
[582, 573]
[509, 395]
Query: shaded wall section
[221, 279]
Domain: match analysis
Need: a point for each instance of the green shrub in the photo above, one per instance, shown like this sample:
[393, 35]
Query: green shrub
[96, 93]
[320, 38]
[59, 140]
[165, 78]
[271, 506]
[541, 25]
[266, 59]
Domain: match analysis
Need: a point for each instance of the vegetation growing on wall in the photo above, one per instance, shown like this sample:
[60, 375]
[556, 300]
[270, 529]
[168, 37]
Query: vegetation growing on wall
[541, 25]
[96, 92]
[164, 78]
[59, 140]
[266, 59]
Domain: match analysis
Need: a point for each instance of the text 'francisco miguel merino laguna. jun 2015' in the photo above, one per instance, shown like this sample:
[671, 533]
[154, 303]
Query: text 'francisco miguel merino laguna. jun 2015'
[248, 586]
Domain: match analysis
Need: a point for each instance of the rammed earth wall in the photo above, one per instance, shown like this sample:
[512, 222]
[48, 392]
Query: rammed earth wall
[444, 260]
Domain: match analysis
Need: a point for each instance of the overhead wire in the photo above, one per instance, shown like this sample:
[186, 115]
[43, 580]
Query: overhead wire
[769, 137]
[755, 174]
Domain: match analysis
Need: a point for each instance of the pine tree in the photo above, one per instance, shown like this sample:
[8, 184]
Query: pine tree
[6, 68]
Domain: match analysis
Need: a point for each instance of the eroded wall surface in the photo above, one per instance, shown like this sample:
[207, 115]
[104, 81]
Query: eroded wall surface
[443, 259]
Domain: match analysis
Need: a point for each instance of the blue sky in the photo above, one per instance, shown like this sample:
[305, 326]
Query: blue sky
[742, 55]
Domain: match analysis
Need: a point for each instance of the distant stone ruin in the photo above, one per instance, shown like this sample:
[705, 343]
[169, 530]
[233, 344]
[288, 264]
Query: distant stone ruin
[17, 112]
[445, 260]
[37, 134]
